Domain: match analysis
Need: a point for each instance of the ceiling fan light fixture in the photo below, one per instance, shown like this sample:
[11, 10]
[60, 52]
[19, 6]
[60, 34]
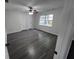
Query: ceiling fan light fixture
[30, 13]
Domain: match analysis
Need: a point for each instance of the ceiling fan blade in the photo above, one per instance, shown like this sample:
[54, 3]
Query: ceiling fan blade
[30, 7]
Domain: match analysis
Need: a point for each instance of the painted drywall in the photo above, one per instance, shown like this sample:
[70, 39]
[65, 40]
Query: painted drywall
[62, 25]
[68, 14]
[17, 20]
[6, 51]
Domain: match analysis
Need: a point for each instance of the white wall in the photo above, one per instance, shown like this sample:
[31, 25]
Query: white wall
[16, 20]
[68, 14]
[6, 51]
[62, 25]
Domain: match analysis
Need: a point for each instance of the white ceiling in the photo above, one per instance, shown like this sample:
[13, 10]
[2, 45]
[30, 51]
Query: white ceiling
[40, 5]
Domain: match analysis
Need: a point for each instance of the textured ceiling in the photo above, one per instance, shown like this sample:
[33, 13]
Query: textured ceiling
[40, 5]
[34, 2]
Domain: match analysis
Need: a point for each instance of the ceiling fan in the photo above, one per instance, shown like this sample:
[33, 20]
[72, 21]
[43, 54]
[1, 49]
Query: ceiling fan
[32, 10]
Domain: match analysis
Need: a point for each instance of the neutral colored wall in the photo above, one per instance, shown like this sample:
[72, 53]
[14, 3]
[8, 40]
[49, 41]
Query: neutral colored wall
[68, 14]
[17, 21]
[62, 25]
[6, 51]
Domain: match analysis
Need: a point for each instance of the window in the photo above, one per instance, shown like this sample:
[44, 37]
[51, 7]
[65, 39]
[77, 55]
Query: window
[46, 20]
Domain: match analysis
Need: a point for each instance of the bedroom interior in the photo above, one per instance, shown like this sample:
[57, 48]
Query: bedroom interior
[39, 29]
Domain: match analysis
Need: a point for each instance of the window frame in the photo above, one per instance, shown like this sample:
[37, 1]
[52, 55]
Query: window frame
[46, 20]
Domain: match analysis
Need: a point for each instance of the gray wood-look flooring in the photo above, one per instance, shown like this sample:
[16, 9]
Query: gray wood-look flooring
[31, 44]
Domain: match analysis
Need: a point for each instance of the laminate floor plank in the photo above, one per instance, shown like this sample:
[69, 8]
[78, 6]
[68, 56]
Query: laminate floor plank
[31, 44]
